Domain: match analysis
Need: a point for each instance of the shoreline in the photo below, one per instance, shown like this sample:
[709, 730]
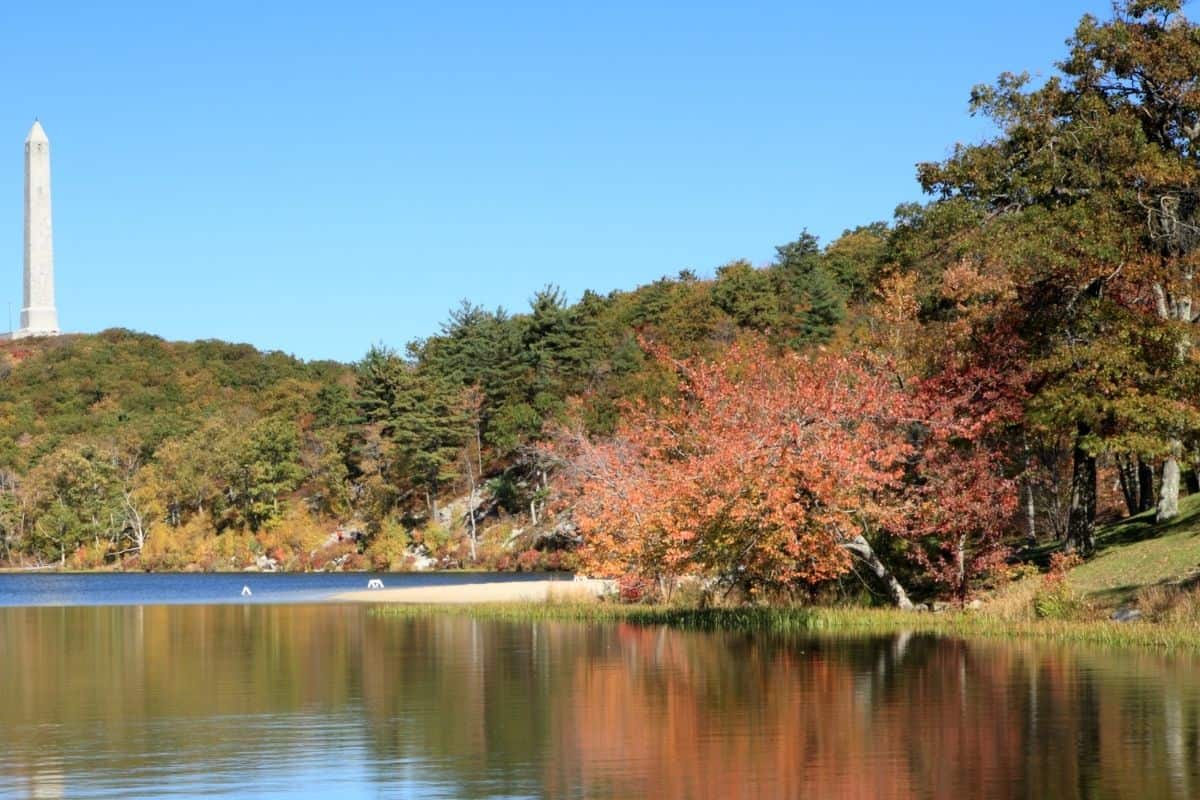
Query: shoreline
[589, 600]
[820, 622]
[517, 592]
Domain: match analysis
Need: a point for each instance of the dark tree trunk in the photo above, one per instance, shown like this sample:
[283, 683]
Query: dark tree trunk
[1127, 473]
[1081, 521]
[1145, 485]
[1192, 481]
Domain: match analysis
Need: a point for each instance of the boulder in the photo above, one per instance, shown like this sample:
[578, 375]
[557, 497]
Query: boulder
[1126, 614]
[419, 562]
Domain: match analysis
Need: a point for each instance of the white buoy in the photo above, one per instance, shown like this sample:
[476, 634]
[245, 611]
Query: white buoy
[245, 591]
[374, 583]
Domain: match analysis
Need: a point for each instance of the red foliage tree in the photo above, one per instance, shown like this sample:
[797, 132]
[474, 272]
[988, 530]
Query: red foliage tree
[963, 503]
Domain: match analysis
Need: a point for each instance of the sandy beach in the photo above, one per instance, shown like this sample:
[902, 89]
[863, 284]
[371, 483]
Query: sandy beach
[506, 592]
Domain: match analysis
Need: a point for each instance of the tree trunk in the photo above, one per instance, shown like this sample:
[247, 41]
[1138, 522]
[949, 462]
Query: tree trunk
[1128, 477]
[1030, 514]
[471, 510]
[1191, 479]
[1030, 508]
[1174, 306]
[134, 522]
[1081, 519]
[960, 563]
[859, 546]
[479, 449]
[1145, 485]
[1168, 493]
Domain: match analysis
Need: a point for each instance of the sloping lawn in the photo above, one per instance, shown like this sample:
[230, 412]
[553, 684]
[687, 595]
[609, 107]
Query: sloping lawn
[1135, 552]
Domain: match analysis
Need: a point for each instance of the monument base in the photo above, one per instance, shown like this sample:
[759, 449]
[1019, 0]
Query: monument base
[25, 333]
[37, 321]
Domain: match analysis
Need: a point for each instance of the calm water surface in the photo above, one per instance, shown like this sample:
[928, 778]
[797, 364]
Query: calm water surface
[124, 589]
[326, 700]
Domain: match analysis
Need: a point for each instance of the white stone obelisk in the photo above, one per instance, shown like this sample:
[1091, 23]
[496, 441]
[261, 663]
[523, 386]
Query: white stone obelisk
[38, 315]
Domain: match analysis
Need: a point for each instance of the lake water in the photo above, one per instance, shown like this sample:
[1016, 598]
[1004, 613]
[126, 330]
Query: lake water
[132, 588]
[328, 700]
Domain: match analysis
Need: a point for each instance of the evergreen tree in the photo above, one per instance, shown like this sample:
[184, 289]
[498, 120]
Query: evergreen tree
[815, 302]
[821, 304]
[381, 377]
[429, 429]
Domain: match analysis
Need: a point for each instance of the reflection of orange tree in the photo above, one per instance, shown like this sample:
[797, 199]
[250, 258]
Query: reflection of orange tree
[910, 718]
[685, 716]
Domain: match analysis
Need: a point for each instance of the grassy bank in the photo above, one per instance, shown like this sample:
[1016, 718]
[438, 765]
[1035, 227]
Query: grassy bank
[1153, 567]
[793, 621]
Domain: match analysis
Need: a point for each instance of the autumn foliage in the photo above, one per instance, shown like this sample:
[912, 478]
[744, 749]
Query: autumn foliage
[765, 464]
[963, 497]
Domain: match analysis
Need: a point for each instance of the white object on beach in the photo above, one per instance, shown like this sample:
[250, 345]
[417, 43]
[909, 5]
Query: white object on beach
[245, 591]
[374, 583]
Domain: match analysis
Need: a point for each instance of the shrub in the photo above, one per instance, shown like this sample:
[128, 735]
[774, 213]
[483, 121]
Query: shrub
[1056, 599]
[355, 562]
[690, 593]
[528, 561]
[291, 537]
[1169, 603]
[235, 549]
[388, 550]
[1060, 565]
[323, 559]
[1058, 602]
[89, 556]
[434, 537]
[166, 548]
[636, 589]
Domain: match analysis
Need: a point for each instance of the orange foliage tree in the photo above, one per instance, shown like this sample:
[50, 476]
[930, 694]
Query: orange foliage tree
[770, 471]
[764, 471]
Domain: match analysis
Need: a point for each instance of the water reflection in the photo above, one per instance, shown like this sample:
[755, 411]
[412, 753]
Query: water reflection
[318, 700]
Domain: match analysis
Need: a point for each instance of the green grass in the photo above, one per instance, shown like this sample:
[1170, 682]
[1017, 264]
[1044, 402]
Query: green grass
[793, 621]
[1136, 552]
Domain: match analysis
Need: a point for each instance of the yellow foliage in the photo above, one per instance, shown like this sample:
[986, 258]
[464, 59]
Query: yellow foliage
[388, 549]
[232, 550]
[165, 548]
[90, 556]
[293, 537]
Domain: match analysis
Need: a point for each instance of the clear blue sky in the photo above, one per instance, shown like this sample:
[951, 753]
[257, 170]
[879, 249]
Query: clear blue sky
[314, 177]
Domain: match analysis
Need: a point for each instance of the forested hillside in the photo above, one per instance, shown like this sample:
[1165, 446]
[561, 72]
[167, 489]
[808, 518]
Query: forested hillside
[116, 440]
[121, 448]
[999, 366]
